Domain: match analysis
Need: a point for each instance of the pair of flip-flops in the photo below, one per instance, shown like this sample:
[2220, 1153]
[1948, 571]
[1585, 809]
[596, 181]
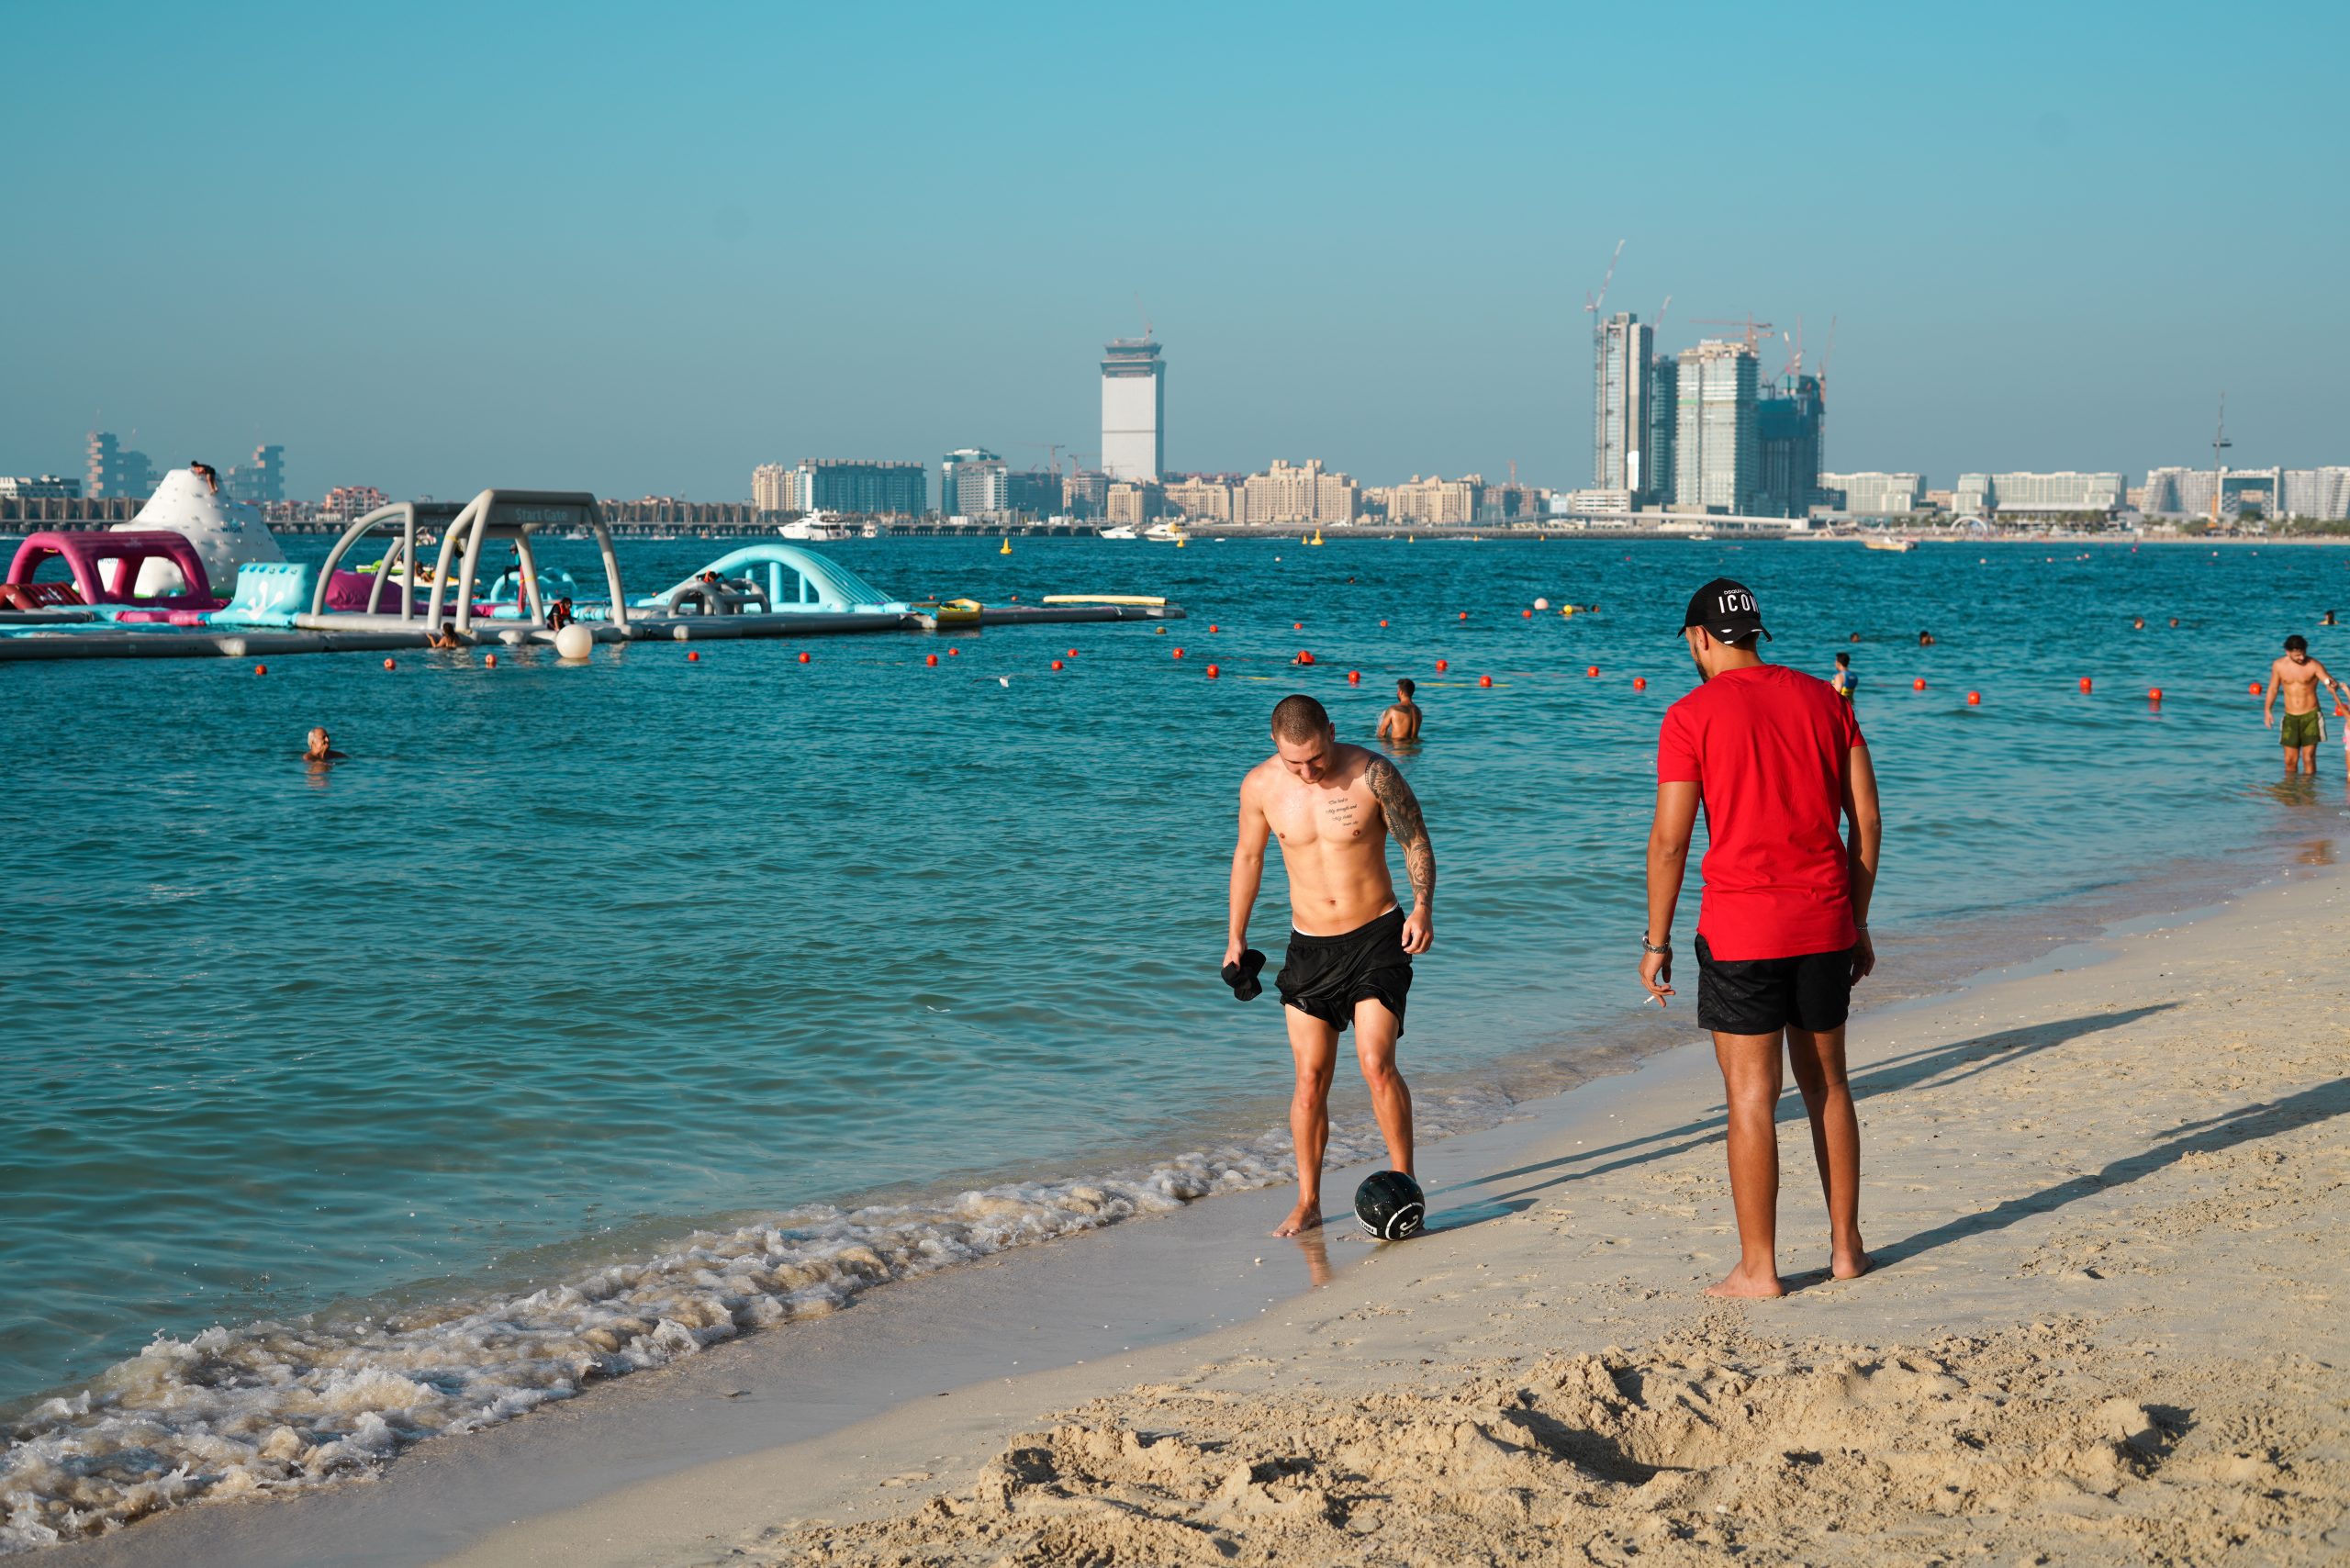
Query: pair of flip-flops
[1242, 977]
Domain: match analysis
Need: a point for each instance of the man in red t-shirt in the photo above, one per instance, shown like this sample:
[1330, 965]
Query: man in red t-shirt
[1776, 758]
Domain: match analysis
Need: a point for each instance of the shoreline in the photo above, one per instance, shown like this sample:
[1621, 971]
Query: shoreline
[1173, 1278]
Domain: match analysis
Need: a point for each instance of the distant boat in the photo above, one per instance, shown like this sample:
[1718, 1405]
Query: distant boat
[1166, 533]
[1888, 541]
[1118, 530]
[815, 528]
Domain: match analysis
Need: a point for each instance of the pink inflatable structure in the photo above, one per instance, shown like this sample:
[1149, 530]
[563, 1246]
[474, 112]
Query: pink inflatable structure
[105, 564]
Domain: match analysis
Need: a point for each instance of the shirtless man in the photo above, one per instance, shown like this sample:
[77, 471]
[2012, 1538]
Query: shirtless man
[2301, 675]
[320, 748]
[1350, 947]
[1401, 723]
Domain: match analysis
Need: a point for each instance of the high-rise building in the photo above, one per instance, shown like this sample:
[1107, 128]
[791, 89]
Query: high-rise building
[1790, 427]
[1715, 464]
[1877, 495]
[1133, 410]
[2320, 493]
[1435, 499]
[1033, 493]
[771, 489]
[116, 471]
[1206, 498]
[1135, 503]
[1620, 405]
[261, 481]
[972, 483]
[1287, 493]
[1664, 419]
[841, 484]
[1085, 493]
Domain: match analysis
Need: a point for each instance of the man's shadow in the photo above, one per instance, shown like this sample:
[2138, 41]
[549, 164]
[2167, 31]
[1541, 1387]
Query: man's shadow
[1934, 1065]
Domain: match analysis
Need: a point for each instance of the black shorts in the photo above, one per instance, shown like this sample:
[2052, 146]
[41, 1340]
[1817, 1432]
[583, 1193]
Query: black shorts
[1761, 996]
[1324, 977]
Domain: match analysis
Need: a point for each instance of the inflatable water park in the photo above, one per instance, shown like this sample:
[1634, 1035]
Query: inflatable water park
[198, 574]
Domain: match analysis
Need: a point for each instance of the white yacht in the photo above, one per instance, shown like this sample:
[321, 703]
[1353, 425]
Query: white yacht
[1167, 533]
[817, 527]
[1119, 531]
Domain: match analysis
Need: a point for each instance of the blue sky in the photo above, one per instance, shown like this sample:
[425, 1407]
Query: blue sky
[432, 247]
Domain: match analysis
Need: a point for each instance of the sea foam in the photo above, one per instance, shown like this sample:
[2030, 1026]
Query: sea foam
[277, 1406]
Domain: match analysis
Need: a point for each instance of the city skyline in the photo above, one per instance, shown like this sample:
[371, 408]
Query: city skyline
[609, 298]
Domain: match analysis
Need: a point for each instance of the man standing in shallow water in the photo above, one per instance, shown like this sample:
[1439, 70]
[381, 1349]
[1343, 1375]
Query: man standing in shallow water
[1350, 947]
[2300, 676]
[1776, 757]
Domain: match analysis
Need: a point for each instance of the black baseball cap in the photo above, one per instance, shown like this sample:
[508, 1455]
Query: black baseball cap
[1725, 611]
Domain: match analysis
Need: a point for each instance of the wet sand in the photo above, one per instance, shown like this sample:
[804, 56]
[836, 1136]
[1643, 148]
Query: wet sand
[2107, 1205]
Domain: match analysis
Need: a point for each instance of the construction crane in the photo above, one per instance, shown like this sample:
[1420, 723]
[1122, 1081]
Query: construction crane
[1793, 370]
[2220, 444]
[1591, 302]
[1658, 328]
[1053, 449]
[1752, 328]
[1826, 355]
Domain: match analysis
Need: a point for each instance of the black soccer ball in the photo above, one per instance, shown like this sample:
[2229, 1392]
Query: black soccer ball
[1390, 1205]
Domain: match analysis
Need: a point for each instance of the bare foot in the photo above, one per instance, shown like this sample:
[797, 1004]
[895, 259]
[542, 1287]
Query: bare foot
[1306, 1217]
[1748, 1286]
[1849, 1263]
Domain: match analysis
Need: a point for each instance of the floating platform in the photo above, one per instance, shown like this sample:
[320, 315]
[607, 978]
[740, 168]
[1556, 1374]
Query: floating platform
[771, 589]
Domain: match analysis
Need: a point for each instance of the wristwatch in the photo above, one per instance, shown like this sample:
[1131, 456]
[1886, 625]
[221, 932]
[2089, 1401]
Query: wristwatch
[1648, 946]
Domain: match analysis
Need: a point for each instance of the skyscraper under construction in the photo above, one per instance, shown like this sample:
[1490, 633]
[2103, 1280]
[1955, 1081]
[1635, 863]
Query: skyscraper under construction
[1621, 406]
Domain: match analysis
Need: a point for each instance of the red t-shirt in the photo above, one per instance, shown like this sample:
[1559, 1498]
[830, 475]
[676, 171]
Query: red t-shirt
[1769, 749]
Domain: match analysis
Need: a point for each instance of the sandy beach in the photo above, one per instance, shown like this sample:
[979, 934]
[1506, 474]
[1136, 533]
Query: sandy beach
[2106, 1202]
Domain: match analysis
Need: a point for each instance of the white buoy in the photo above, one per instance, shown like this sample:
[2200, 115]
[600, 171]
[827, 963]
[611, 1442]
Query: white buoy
[1541, 604]
[575, 642]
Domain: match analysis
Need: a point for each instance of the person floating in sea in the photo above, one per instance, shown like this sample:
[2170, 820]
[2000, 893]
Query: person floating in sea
[1401, 723]
[446, 637]
[1350, 947]
[1844, 681]
[319, 746]
[2300, 677]
[1776, 758]
[2329, 620]
[2139, 624]
[1925, 639]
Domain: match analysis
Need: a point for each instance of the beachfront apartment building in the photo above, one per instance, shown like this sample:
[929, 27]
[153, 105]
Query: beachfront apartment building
[1876, 495]
[1981, 495]
[2321, 494]
[1287, 493]
[1717, 464]
[45, 488]
[1621, 383]
[771, 489]
[973, 482]
[856, 485]
[1204, 497]
[1434, 499]
[1133, 410]
[347, 501]
[1135, 503]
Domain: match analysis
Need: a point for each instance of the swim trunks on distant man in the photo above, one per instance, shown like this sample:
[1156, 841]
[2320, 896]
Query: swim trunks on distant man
[2299, 677]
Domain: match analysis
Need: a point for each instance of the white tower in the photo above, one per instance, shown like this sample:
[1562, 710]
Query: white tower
[1134, 410]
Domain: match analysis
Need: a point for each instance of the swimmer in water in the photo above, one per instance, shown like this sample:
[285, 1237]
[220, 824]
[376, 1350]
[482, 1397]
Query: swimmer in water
[445, 638]
[2300, 676]
[1925, 639]
[1350, 951]
[2329, 620]
[1401, 723]
[2139, 624]
[1844, 682]
[320, 748]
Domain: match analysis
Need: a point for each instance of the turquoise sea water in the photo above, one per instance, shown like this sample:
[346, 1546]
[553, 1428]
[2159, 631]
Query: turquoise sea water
[567, 964]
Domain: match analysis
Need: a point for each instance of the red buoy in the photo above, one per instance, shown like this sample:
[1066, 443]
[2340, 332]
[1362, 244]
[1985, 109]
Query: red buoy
[1919, 684]
[1057, 664]
[953, 652]
[1592, 671]
[1211, 626]
[1354, 677]
[1464, 615]
[1178, 653]
[1072, 653]
[2085, 683]
[1526, 614]
[490, 659]
[2255, 685]
[1383, 623]
[391, 664]
[1639, 683]
[693, 655]
[261, 669]
[1443, 664]
[1214, 672]
[804, 658]
[1303, 657]
[1975, 699]
[931, 659]
[1297, 625]
[2155, 695]
[1484, 680]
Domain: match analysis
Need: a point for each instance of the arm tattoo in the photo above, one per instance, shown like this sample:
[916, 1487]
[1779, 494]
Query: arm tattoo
[1402, 811]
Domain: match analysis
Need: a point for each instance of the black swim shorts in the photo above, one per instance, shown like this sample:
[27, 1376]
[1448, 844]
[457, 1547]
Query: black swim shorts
[1325, 976]
[1761, 996]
